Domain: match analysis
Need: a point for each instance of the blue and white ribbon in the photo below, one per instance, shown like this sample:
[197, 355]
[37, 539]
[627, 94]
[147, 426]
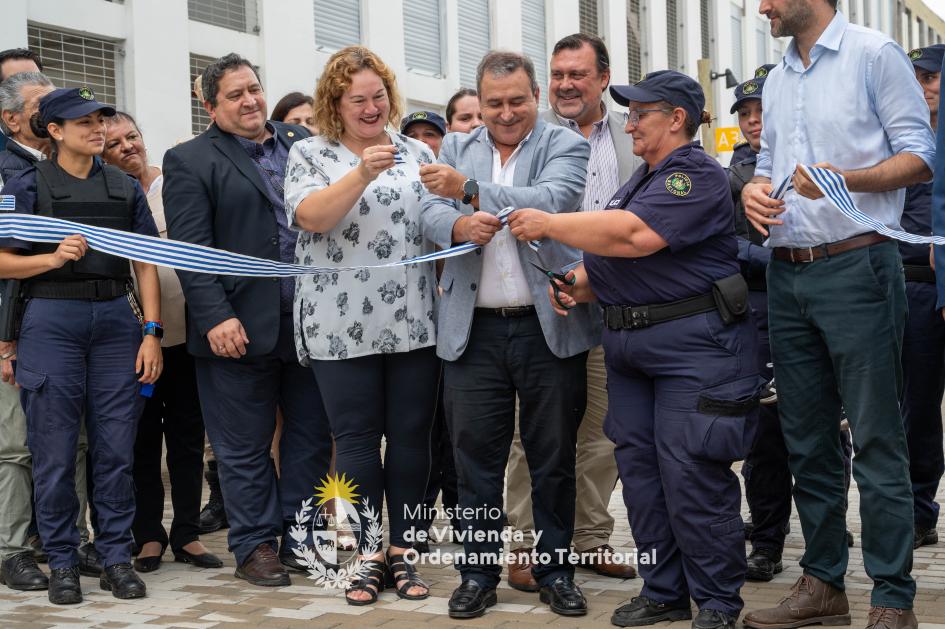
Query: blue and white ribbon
[834, 188]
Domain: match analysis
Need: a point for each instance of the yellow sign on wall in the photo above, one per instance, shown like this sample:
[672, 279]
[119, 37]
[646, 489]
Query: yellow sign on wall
[726, 138]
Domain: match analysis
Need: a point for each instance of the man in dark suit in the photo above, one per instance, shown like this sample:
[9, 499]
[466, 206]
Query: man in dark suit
[224, 189]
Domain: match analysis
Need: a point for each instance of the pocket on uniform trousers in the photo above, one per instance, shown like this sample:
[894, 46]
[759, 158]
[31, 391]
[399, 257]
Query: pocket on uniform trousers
[725, 420]
[28, 379]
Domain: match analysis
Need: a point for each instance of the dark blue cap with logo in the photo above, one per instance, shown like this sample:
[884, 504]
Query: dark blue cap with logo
[761, 72]
[673, 87]
[70, 103]
[429, 117]
[928, 58]
[749, 90]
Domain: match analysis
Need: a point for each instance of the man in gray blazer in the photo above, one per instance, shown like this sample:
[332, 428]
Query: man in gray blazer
[498, 333]
[580, 74]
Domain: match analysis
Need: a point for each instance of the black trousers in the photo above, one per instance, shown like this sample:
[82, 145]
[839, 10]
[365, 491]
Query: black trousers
[171, 416]
[442, 467]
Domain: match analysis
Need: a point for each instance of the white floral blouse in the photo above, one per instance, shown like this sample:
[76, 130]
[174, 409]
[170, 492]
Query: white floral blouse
[369, 311]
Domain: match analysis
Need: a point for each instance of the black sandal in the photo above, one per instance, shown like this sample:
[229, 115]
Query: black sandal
[375, 573]
[405, 577]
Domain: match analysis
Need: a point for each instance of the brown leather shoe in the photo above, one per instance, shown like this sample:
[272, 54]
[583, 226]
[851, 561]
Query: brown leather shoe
[810, 602]
[520, 573]
[891, 618]
[263, 568]
[601, 561]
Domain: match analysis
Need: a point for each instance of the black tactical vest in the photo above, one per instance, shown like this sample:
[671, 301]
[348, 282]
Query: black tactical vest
[105, 199]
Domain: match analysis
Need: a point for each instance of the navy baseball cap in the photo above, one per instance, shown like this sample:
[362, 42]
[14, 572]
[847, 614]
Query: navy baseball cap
[761, 72]
[673, 87]
[429, 117]
[749, 90]
[928, 58]
[71, 103]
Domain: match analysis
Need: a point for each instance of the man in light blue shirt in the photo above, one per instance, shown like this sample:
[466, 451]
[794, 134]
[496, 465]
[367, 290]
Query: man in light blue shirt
[844, 98]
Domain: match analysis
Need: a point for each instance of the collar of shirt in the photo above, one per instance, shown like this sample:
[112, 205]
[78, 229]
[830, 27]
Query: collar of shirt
[574, 126]
[517, 148]
[258, 149]
[39, 155]
[829, 40]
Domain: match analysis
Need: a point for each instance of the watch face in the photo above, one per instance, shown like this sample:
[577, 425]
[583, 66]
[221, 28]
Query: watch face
[471, 187]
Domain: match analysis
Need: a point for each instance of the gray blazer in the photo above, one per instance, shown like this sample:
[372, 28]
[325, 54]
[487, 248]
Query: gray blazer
[627, 162]
[550, 174]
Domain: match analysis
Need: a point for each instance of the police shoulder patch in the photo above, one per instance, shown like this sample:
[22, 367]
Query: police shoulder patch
[915, 54]
[761, 72]
[750, 88]
[678, 184]
[86, 93]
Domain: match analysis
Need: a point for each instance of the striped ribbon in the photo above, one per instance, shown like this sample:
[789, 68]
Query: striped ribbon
[834, 188]
[187, 256]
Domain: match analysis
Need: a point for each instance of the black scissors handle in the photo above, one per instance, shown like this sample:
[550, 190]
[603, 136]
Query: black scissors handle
[561, 277]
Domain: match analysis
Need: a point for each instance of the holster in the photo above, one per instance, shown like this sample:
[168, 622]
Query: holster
[731, 297]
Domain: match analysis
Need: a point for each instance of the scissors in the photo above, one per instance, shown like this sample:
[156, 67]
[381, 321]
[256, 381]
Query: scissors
[561, 277]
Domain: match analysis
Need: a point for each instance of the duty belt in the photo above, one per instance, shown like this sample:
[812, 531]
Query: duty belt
[95, 290]
[919, 273]
[619, 317]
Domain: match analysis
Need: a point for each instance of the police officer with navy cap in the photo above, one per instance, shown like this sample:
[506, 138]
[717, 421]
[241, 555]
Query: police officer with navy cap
[680, 351]
[427, 126]
[743, 150]
[84, 347]
[923, 344]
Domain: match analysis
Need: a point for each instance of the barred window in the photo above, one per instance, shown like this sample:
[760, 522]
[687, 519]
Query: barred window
[78, 60]
[534, 43]
[475, 39]
[236, 15]
[587, 13]
[705, 26]
[199, 118]
[634, 41]
[423, 36]
[672, 35]
[337, 24]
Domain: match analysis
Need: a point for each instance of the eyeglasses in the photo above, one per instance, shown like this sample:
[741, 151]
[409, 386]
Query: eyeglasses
[633, 116]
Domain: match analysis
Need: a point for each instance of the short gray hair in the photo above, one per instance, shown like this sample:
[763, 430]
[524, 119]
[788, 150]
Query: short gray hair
[11, 96]
[501, 63]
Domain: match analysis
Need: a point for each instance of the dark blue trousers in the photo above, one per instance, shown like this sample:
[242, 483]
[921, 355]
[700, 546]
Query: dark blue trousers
[683, 498]
[239, 398]
[78, 356]
[923, 370]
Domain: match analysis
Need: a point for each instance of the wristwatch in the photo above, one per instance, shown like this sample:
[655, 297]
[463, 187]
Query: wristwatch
[470, 190]
[153, 328]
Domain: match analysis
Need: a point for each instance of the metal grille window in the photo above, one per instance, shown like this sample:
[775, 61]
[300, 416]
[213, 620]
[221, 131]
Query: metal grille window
[534, 43]
[587, 13]
[474, 38]
[236, 15]
[423, 36]
[337, 24]
[705, 19]
[737, 57]
[77, 60]
[672, 35]
[908, 24]
[634, 41]
[199, 118]
[761, 43]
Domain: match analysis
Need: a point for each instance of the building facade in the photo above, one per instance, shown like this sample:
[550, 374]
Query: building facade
[142, 55]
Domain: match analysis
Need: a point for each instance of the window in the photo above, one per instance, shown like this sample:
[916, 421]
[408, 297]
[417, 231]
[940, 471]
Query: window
[921, 28]
[634, 41]
[237, 15]
[534, 43]
[672, 35]
[423, 36]
[199, 118]
[587, 14]
[337, 24]
[78, 60]
[737, 48]
[474, 38]
[761, 43]
[705, 19]
[907, 23]
[868, 13]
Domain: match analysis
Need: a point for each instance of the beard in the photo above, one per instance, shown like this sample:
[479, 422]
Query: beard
[795, 19]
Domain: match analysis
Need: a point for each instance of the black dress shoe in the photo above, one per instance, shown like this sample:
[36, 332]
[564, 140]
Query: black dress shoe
[763, 564]
[64, 588]
[564, 597]
[20, 572]
[643, 611]
[90, 563]
[122, 581]
[213, 518]
[147, 564]
[849, 539]
[925, 537]
[203, 560]
[713, 619]
[470, 600]
[287, 558]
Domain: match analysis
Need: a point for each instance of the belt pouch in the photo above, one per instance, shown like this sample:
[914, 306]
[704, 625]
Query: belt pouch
[731, 297]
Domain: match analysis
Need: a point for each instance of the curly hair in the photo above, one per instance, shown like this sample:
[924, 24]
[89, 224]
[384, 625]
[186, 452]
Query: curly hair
[336, 79]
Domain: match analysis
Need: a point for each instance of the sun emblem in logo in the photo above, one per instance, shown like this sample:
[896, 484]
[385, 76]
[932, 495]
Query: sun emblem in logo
[86, 93]
[750, 88]
[678, 184]
[420, 115]
[915, 54]
[761, 72]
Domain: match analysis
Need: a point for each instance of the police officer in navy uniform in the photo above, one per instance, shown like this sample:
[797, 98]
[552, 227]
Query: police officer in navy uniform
[744, 150]
[923, 344]
[83, 347]
[680, 352]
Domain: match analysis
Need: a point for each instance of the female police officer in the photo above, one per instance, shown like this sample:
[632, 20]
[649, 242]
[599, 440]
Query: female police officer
[80, 347]
[681, 368]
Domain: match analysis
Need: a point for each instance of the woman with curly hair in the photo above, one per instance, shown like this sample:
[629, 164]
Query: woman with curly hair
[354, 194]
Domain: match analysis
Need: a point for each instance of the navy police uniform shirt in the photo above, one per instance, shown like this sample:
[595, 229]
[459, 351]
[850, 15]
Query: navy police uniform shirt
[23, 187]
[686, 200]
[917, 219]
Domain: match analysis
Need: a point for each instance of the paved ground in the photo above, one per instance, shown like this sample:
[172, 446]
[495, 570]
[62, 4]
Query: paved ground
[180, 596]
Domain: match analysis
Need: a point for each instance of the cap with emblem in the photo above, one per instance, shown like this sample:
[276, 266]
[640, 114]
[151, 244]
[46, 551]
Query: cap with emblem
[928, 58]
[70, 103]
[761, 72]
[673, 87]
[749, 90]
[428, 117]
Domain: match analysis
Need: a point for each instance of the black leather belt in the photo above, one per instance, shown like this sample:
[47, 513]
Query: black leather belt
[88, 289]
[506, 313]
[635, 317]
[919, 273]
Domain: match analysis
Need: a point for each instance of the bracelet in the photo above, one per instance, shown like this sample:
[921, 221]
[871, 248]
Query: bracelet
[7, 355]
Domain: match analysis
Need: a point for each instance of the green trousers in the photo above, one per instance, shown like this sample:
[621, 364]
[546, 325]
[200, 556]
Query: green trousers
[836, 327]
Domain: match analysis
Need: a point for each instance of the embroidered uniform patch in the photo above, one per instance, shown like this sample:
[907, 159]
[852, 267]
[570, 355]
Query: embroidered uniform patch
[7, 203]
[678, 184]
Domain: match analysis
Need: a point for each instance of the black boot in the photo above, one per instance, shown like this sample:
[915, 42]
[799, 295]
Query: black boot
[64, 588]
[213, 516]
[20, 572]
[763, 564]
[90, 563]
[122, 581]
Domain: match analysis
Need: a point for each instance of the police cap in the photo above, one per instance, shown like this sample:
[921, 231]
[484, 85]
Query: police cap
[749, 90]
[429, 117]
[928, 58]
[673, 87]
[69, 104]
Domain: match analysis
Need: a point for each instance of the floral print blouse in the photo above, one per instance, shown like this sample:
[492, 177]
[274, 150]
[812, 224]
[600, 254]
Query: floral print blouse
[368, 311]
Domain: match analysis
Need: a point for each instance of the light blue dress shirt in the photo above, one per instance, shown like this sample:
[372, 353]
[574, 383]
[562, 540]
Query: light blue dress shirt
[856, 105]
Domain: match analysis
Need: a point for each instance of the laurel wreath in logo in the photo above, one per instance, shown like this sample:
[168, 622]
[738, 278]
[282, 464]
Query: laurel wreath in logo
[332, 578]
